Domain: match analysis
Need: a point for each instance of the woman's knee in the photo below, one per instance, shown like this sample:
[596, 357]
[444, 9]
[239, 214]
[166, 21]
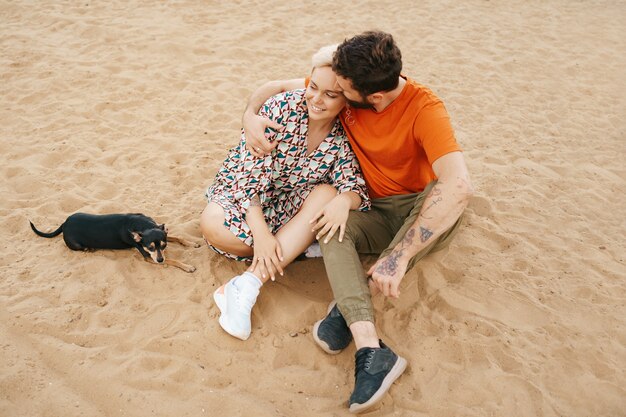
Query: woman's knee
[212, 221]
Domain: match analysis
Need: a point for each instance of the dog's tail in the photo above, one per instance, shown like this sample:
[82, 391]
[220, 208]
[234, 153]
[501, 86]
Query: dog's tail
[42, 234]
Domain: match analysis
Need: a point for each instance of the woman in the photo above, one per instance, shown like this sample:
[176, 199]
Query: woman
[267, 208]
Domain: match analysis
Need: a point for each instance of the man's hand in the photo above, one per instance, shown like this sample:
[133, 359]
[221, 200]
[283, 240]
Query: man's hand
[256, 142]
[255, 125]
[387, 273]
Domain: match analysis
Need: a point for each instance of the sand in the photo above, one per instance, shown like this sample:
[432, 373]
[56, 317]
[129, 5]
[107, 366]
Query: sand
[131, 106]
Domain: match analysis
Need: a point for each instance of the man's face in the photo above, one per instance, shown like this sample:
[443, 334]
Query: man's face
[352, 96]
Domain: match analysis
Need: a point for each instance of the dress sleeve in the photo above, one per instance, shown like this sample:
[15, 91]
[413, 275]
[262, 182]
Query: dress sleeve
[253, 175]
[346, 174]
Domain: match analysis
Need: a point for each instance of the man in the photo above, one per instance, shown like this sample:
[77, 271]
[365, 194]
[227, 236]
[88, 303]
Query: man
[419, 185]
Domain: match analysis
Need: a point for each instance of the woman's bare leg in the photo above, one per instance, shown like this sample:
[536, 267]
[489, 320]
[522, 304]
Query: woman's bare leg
[243, 290]
[215, 233]
[296, 235]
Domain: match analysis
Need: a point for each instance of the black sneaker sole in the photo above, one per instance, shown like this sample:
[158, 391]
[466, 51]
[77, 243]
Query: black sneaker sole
[319, 341]
[391, 377]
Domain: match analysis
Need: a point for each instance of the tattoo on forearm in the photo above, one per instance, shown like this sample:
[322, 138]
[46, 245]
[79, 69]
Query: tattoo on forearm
[390, 265]
[425, 234]
[408, 238]
[432, 204]
[434, 191]
[435, 196]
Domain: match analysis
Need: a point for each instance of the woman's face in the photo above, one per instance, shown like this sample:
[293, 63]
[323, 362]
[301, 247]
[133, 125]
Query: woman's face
[324, 99]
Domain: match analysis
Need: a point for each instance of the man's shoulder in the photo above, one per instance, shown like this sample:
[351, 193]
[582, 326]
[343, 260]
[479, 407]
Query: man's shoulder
[420, 93]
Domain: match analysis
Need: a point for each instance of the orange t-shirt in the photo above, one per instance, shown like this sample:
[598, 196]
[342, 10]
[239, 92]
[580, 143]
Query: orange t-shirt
[396, 147]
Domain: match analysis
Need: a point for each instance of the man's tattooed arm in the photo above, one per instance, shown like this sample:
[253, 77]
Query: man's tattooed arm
[443, 205]
[389, 265]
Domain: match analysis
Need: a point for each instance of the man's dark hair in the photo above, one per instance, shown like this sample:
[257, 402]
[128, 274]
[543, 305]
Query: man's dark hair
[371, 61]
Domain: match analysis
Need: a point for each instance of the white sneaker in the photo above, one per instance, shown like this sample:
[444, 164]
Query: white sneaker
[235, 300]
[313, 251]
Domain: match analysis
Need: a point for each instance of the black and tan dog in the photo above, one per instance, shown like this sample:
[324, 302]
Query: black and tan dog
[86, 232]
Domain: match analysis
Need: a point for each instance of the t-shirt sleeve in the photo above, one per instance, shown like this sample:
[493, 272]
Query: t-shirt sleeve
[434, 131]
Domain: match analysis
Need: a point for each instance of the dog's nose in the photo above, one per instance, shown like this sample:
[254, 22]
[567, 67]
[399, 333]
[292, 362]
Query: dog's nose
[159, 260]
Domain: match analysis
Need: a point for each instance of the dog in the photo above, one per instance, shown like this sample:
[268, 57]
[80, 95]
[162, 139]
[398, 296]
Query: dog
[88, 232]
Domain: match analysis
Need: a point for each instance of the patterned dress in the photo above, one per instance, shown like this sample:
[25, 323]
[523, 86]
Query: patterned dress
[283, 179]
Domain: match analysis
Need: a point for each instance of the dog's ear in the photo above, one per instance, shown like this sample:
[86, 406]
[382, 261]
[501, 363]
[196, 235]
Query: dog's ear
[136, 236]
[162, 227]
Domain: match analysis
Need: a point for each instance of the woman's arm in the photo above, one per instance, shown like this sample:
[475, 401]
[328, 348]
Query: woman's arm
[267, 250]
[352, 195]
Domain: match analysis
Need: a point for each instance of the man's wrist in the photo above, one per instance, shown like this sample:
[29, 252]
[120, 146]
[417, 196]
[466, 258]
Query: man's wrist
[402, 254]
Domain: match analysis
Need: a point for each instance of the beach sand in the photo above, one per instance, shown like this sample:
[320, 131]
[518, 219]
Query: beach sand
[131, 106]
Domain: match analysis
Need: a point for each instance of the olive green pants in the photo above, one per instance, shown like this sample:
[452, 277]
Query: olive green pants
[376, 231]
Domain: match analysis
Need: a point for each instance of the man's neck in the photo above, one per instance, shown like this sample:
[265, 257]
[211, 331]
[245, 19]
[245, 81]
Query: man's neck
[390, 96]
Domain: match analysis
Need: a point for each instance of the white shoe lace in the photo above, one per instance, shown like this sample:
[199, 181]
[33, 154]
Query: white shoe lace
[245, 299]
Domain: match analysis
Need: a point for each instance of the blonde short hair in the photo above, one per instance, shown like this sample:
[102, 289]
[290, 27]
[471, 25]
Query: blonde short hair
[324, 56]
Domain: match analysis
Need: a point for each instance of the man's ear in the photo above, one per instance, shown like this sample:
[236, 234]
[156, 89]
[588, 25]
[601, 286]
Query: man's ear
[162, 227]
[136, 236]
[375, 98]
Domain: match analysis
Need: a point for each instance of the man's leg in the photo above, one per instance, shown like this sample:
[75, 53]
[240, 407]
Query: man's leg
[376, 365]
[366, 232]
[376, 231]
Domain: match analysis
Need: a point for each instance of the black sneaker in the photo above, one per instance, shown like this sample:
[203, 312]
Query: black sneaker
[332, 333]
[376, 369]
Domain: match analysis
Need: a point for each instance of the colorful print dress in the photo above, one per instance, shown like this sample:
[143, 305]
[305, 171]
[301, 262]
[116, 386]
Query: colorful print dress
[283, 179]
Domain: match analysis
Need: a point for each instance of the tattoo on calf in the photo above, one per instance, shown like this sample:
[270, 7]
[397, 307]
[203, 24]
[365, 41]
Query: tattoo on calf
[425, 234]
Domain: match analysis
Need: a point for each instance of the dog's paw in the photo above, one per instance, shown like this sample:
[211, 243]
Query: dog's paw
[190, 269]
[196, 245]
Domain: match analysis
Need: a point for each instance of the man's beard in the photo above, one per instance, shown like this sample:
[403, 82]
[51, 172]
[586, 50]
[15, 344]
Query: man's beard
[360, 104]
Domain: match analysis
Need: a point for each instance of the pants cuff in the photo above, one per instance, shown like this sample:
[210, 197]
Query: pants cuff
[352, 315]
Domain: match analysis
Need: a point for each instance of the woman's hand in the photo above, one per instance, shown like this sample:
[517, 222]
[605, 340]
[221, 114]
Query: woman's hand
[267, 255]
[256, 142]
[332, 217]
